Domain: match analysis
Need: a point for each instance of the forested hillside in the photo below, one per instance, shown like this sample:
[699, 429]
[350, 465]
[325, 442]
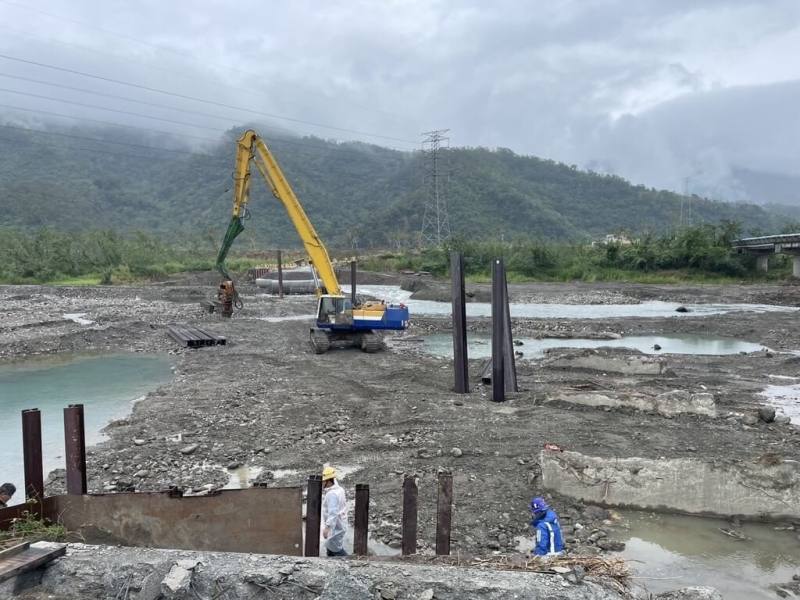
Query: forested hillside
[356, 194]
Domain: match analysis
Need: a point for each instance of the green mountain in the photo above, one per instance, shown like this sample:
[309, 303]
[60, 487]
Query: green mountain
[355, 193]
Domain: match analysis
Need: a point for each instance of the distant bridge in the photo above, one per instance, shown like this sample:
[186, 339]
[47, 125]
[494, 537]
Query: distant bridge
[762, 247]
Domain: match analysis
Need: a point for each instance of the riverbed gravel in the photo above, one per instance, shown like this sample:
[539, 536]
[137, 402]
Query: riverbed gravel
[264, 406]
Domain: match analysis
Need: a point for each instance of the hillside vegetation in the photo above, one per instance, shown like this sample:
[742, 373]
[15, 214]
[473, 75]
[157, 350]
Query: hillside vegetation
[357, 195]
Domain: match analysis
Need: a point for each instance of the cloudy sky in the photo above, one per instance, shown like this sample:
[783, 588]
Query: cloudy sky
[668, 93]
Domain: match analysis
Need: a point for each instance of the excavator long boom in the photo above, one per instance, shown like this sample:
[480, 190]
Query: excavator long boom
[251, 147]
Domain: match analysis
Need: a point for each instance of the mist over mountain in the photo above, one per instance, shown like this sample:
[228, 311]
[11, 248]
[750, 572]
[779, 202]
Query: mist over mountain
[356, 194]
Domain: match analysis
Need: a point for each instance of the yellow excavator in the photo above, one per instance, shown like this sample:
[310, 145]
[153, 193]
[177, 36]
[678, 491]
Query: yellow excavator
[340, 321]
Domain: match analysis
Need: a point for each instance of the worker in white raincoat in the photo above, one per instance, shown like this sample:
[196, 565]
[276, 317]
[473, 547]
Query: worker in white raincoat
[334, 513]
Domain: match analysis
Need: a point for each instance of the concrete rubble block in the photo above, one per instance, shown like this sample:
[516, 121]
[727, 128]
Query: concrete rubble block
[691, 593]
[177, 582]
[668, 404]
[691, 485]
[610, 361]
[680, 401]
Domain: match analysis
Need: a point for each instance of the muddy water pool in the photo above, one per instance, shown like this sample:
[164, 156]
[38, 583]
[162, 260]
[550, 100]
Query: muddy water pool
[669, 551]
[107, 386]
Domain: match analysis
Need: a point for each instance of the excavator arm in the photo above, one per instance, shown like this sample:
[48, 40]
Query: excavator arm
[251, 147]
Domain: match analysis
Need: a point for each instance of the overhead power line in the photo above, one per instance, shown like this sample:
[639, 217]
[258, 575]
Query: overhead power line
[116, 97]
[109, 123]
[201, 100]
[96, 150]
[114, 110]
[105, 53]
[114, 142]
[339, 148]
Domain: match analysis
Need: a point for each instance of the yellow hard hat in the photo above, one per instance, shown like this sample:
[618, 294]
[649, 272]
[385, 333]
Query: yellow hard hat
[328, 473]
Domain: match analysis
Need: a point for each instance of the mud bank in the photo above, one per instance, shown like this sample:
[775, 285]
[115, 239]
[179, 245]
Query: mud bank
[767, 488]
[100, 572]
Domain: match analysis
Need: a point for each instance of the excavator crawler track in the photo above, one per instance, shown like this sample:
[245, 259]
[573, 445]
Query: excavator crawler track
[320, 341]
[371, 342]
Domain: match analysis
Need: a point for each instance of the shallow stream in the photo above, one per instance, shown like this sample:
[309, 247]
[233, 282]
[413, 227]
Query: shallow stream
[392, 293]
[480, 345]
[107, 386]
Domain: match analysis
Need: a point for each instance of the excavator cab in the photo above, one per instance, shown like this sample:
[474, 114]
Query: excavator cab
[334, 312]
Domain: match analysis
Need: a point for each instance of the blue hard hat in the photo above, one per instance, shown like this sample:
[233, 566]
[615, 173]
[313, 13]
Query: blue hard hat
[539, 504]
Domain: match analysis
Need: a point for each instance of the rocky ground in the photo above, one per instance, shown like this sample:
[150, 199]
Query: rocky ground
[266, 405]
[97, 572]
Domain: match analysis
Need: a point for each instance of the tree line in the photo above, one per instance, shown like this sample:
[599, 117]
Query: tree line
[700, 252]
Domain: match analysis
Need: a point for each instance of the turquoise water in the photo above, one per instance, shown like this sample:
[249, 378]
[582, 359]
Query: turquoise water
[480, 345]
[107, 386]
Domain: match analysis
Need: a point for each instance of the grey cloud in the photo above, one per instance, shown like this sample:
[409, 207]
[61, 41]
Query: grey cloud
[650, 90]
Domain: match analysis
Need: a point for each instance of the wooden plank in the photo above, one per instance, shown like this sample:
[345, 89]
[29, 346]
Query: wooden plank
[28, 560]
[176, 334]
[14, 550]
[194, 337]
[216, 339]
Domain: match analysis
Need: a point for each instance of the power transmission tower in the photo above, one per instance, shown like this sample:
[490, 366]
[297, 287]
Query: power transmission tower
[435, 221]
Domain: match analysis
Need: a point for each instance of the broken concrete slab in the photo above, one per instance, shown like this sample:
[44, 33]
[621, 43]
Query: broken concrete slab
[177, 582]
[609, 361]
[766, 489]
[677, 402]
[668, 404]
[95, 572]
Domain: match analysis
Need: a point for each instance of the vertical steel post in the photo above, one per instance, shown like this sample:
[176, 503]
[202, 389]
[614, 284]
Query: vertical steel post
[75, 449]
[353, 273]
[361, 520]
[313, 514]
[509, 361]
[444, 513]
[280, 274]
[498, 318]
[32, 454]
[460, 358]
[409, 541]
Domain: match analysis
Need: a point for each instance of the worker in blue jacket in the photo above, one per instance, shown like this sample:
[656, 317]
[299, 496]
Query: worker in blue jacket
[549, 541]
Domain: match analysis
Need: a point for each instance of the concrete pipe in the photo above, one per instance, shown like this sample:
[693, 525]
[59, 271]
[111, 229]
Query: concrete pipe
[289, 287]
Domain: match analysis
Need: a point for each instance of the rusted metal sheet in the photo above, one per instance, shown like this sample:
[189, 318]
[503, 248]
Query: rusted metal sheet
[258, 520]
[460, 356]
[313, 514]
[498, 329]
[509, 361]
[361, 520]
[75, 449]
[7, 515]
[32, 454]
[408, 542]
[444, 513]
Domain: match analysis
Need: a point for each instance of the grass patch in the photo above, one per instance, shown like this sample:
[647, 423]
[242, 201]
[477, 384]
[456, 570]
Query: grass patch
[30, 528]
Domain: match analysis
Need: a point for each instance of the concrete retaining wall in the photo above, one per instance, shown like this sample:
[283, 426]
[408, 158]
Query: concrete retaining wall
[684, 485]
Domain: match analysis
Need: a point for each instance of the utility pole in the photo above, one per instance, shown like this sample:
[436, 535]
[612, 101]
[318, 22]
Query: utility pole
[688, 202]
[435, 221]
